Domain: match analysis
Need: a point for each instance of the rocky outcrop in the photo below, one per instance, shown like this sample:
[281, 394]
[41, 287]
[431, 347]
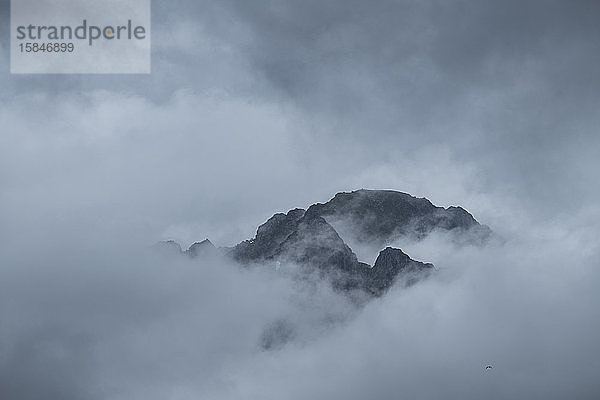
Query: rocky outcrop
[380, 216]
[307, 238]
[393, 265]
[202, 248]
[269, 238]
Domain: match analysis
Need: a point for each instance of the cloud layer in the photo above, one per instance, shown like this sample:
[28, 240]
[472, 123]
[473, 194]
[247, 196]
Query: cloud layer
[253, 109]
[94, 319]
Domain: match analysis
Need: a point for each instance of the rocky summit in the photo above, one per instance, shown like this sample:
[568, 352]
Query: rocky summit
[381, 216]
[307, 238]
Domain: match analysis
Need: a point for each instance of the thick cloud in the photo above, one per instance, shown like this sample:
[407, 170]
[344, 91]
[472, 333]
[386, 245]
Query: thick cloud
[257, 108]
[88, 318]
[511, 85]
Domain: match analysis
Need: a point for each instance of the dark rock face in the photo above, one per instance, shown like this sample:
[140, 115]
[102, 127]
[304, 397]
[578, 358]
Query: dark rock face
[269, 237]
[379, 216]
[316, 242]
[307, 238]
[393, 264]
[306, 241]
[198, 249]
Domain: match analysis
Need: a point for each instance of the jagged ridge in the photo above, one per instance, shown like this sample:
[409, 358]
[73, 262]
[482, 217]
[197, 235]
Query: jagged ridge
[380, 216]
[306, 238]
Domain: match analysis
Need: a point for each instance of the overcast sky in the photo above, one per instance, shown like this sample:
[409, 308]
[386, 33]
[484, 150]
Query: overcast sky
[508, 89]
[258, 107]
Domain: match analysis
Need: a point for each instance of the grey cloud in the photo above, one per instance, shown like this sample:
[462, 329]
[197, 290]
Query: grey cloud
[110, 321]
[512, 85]
[254, 108]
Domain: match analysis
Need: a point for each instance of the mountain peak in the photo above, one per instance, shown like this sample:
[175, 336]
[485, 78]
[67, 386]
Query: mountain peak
[393, 264]
[381, 216]
[310, 239]
[200, 248]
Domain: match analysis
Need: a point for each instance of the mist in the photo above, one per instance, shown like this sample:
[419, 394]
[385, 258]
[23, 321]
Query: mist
[92, 318]
[253, 109]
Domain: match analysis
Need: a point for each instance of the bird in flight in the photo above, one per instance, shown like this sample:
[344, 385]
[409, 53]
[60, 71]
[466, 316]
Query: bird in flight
[488, 367]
